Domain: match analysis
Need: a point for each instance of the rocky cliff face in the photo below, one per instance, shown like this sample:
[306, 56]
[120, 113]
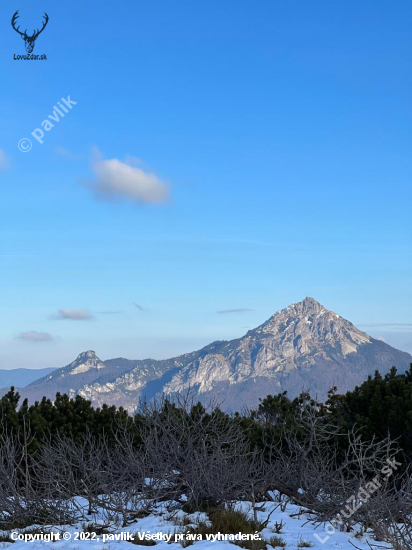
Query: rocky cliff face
[297, 336]
[306, 328]
[85, 362]
[304, 347]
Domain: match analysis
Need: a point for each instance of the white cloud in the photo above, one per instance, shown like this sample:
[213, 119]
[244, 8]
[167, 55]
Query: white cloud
[4, 161]
[73, 314]
[35, 336]
[133, 161]
[116, 180]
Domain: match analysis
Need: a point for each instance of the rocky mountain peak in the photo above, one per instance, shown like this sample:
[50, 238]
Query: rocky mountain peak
[85, 361]
[307, 328]
[309, 305]
[308, 310]
[90, 354]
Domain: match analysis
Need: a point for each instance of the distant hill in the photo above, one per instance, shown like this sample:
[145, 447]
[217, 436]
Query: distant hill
[304, 347]
[22, 377]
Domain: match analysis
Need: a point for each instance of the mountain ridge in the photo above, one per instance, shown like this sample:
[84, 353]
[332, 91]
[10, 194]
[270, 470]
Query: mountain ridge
[303, 347]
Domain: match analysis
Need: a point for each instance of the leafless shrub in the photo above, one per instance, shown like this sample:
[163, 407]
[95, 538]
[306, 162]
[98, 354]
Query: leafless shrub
[313, 470]
[203, 455]
[180, 452]
[23, 499]
[129, 488]
[391, 520]
[69, 468]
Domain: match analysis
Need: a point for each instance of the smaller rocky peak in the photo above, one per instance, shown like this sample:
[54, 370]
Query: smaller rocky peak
[85, 361]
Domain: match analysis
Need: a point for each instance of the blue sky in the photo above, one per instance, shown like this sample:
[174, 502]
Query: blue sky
[221, 155]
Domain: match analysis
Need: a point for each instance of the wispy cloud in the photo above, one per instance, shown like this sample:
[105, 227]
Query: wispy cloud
[73, 314]
[35, 336]
[4, 161]
[235, 310]
[119, 181]
[387, 325]
[139, 307]
[64, 152]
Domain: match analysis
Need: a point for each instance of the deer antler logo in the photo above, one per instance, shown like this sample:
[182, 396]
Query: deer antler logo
[29, 40]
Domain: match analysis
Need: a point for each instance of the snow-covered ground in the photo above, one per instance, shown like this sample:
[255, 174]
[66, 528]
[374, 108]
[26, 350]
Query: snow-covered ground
[297, 532]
